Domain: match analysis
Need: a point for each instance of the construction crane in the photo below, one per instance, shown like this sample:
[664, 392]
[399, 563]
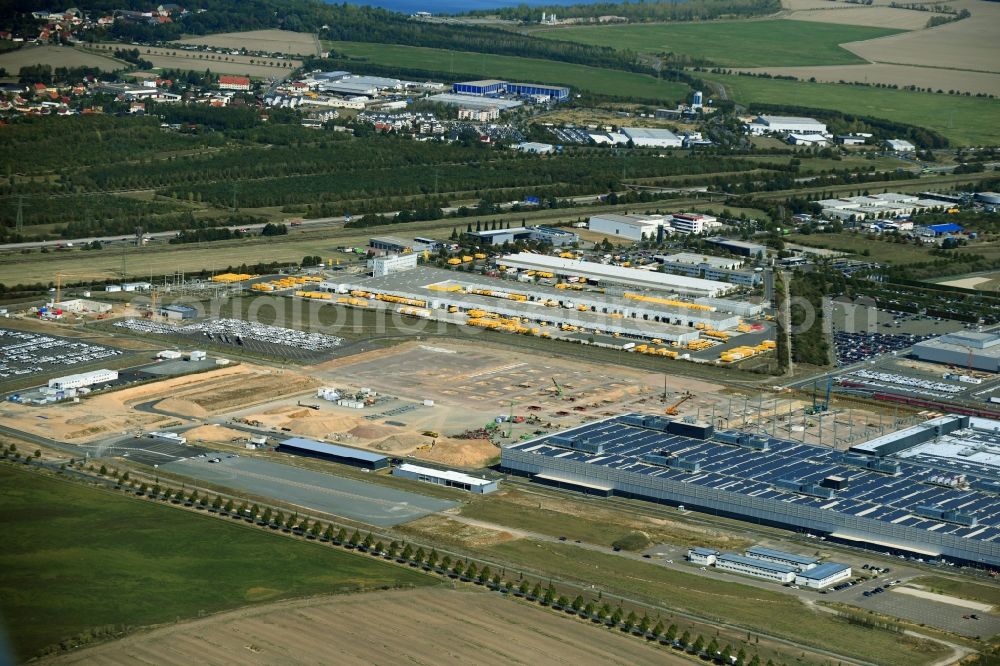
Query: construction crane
[672, 410]
[559, 389]
[61, 274]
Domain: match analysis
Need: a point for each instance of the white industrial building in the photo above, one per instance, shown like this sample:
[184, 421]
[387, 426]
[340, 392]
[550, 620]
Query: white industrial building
[631, 277]
[807, 140]
[823, 575]
[885, 205]
[751, 566]
[448, 478]
[632, 227]
[693, 223]
[84, 379]
[168, 437]
[392, 263]
[168, 354]
[647, 137]
[963, 349]
[703, 556]
[695, 259]
[900, 146]
[83, 306]
[786, 125]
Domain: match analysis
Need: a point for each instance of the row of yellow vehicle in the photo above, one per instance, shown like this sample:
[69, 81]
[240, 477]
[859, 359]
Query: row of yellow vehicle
[653, 350]
[668, 301]
[389, 298]
[315, 295]
[740, 353]
[510, 296]
[287, 282]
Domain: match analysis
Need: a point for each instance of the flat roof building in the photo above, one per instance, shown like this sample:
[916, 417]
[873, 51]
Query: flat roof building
[742, 248]
[703, 556]
[648, 137]
[980, 351]
[693, 223]
[751, 566]
[604, 274]
[786, 124]
[82, 379]
[448, 478]
[473, 102]
[632, 227]
[823, 575]
[392, 263]
[899, 495]
[333, 452]
[799, 562]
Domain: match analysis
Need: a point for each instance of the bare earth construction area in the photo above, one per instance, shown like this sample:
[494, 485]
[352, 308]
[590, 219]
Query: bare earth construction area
[428, 626]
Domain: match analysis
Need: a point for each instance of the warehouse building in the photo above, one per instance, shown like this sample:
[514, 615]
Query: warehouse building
[741, 248]
[798, 562]
[496, 87]
[448, 478]
[474, 102]
[334, 453]
[823, 575]
[632, 227]
[83, 379]
[618, 275]
[392, 263]
[785, 124]
[886, 205]
[647, 137]
[178, 312]
[751, 566]
[965, 349]
[700, 260]
[893, 493]
[557, 237]
[393, 245]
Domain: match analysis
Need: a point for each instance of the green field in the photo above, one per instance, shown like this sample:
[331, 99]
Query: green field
[74, 558]
[768, 611]
[733, 43]
[964, 589]
[857, 243]
[961, 119]
[594, 79]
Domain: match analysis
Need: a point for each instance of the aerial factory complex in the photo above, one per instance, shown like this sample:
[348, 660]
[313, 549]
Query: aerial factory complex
[931, 489]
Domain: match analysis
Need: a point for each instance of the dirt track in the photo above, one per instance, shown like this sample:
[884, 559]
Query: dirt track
[431, 626]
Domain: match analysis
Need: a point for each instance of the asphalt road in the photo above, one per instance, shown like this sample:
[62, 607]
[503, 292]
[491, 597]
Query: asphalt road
[356, 500]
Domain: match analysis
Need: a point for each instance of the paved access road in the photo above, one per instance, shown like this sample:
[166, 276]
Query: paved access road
[355, 500]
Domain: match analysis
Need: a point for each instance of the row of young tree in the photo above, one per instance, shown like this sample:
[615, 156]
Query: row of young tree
[597, 610]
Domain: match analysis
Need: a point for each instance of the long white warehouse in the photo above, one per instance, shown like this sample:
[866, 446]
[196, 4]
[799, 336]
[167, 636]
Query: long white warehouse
[449, 478]
[632, 277]
[83, 379]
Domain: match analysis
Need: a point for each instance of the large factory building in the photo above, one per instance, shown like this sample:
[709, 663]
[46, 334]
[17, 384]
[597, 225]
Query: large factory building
[931, 490]
[964, 349]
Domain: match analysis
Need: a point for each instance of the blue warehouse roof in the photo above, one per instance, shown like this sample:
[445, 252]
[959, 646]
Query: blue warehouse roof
[332, 449]
[753, 562]
[824, 570]
[753, 472]
[759, 551]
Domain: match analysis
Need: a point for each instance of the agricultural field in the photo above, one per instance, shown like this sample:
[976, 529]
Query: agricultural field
[270, 41]
[769, 611]
[963, 589]
[594, 79]
[733, 43]
[75, 558]
[966, 45]
[170, 58]
[56, 56]
[879, 251]
[898, 75]
[469, 626]
[958, 118]
[873, 15]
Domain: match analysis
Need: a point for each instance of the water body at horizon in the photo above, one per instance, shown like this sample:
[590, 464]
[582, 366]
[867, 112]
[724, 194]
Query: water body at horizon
[458, 6]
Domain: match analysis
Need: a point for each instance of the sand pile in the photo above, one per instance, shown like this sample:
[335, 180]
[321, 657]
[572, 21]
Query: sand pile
[460, 452]
[368, 430]
[181, 407]
[399, 443]
[214, 433]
